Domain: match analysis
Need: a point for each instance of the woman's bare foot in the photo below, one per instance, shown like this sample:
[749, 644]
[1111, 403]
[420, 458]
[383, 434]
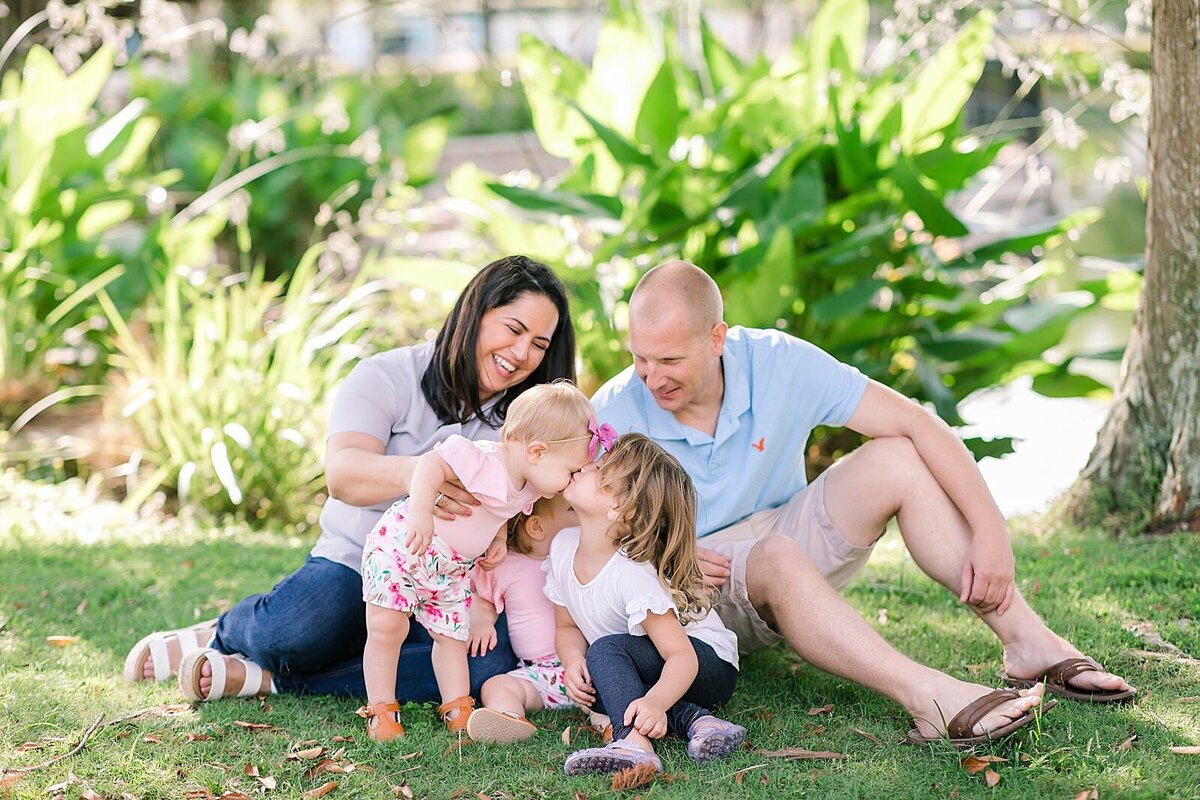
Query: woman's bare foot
[931, 715]
[203, 633]
[1028, 660]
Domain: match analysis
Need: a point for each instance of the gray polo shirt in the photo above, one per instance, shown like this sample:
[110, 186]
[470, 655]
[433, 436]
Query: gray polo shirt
[382, 397]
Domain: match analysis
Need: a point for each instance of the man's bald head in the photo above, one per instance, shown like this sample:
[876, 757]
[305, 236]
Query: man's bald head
[678, 285]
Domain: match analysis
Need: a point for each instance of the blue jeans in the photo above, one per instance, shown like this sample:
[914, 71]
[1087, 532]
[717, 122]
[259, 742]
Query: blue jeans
[624, 667]
[310, 629]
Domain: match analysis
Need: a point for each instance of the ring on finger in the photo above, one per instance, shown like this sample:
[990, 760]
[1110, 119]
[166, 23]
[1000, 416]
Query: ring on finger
[438, 500]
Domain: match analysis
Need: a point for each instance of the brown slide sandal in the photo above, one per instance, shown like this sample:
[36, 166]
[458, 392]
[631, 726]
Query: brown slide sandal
[1056, 679]
[958, 732]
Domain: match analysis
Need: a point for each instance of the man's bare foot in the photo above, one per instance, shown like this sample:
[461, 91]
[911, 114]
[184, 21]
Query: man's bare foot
[931, 715]
[1029, 660]
[202, 634]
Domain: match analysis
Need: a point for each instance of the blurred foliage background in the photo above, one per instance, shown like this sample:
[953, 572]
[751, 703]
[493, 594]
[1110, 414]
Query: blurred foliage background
[207, 217]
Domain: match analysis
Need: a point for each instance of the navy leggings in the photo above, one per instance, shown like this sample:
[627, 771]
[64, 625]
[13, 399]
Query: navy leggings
[309, 631]
[625, 667]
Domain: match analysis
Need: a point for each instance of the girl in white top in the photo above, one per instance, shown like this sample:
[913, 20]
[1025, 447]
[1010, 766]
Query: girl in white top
[636, 635]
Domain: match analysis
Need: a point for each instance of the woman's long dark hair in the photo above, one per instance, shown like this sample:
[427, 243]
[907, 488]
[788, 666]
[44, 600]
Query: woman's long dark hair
[451, 383]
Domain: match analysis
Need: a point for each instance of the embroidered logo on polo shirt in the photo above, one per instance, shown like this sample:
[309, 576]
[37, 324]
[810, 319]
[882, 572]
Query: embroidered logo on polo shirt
[760, 445]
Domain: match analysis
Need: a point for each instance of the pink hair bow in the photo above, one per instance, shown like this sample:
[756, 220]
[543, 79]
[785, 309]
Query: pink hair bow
[603, 435]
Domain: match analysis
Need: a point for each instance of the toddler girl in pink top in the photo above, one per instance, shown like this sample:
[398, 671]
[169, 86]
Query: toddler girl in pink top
[416, 566]
[517, 587]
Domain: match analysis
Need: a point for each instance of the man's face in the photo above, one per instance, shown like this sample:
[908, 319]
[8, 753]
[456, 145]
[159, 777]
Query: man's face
[675, 360]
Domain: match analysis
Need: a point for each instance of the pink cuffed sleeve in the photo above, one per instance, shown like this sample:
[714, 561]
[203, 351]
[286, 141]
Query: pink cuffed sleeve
[480, 471]
[487, 587]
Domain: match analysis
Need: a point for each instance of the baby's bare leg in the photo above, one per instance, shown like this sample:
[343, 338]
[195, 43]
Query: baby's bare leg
[513, 695]
[450, 667]
[386, 632]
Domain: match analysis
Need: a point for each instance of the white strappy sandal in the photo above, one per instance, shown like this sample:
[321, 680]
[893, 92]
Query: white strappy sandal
[257, 681]
[156, 644]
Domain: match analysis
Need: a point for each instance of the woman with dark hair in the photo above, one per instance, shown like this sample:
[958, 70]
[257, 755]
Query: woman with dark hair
[510, 329]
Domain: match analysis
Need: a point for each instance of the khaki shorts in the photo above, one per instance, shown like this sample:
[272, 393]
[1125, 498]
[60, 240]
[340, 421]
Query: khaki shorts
[804, 520]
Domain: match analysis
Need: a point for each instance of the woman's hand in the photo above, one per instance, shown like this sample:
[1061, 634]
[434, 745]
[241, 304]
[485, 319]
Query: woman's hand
[579, 684]
[453, 501]
[647, 718]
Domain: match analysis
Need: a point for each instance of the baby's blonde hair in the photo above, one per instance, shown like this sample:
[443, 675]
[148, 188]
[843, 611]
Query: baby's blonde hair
[656, 520]
[549, 412]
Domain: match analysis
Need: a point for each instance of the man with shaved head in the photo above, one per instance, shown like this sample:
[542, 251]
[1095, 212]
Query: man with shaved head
[736, 406]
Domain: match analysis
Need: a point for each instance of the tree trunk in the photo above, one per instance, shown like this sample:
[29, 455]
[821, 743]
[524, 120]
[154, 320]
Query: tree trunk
[1145, 469]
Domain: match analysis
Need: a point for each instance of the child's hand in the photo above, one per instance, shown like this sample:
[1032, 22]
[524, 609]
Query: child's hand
[579, 684]
[420, 533]
[495, 553]
[647, 718]
[483, 638]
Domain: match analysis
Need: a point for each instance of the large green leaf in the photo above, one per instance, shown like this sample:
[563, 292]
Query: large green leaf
[625, 152]
[548, 78]
[658, 121]
[937, 218]
[724, 69]
[563, 203]
[1061, 383]
[628, 56]
[423, 147]
[838, 20]
[760, 297]
[944, 83]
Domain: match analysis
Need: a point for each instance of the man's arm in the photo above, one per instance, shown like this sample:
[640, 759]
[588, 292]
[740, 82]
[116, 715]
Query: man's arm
[989, 568]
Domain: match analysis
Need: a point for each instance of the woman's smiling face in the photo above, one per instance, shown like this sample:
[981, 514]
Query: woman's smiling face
[512, 342]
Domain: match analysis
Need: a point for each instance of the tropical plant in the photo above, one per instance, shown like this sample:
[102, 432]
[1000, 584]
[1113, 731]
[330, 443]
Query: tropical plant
[813, 189]
[294, 141]
[227, 381]
[70, 181]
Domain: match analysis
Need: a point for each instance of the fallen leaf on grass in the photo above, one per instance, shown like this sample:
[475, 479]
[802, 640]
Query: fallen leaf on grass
[232, 795]
[762, 779]
[148, 739]
[1127, 745]
[402, 790]
[82, 607]
[58, 787]
[580, 796]
[641, 775]
[254, 726]
[268, 782]
[1188, 750]
[1088, 795]
[61, 641]
[305, 743]
[417, 754]
[306, 755]
[976, 764]
[816, 730]
[1025, 758]
[250, 771]
[343, 738]
[197, 737]
[320, 791]
[866, 735]
[198, 794]
[88, 794]
[30, 746]
[825, 709]
[991, 778]
[9, 778]
[566, 736]
[324, 765]
[793, 753]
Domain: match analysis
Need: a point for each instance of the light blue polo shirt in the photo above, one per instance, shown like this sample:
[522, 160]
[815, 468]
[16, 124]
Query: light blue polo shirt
[777, 389]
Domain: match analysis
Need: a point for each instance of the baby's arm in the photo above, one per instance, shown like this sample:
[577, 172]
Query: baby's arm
[497, 550]
[430, 473]
[483, 626]
[648, 714]
[571, 647]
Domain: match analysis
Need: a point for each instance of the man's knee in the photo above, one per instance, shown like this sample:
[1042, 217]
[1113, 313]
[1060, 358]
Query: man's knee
[774, 569]
[890, 458]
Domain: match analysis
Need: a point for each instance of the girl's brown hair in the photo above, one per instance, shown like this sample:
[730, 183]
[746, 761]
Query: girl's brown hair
[656, 520]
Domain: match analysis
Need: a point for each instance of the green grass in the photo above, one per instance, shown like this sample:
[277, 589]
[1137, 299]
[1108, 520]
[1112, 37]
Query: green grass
[74, 565]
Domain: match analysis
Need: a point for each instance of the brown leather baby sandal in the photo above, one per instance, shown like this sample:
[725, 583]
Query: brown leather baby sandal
[463, 705]
[381, 725]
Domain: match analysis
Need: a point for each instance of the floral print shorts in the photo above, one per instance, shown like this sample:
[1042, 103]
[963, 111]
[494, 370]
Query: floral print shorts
[546, 675]
[433, 586]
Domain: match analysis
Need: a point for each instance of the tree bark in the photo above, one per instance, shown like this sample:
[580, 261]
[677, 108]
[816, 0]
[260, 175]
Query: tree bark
[1145, 469]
